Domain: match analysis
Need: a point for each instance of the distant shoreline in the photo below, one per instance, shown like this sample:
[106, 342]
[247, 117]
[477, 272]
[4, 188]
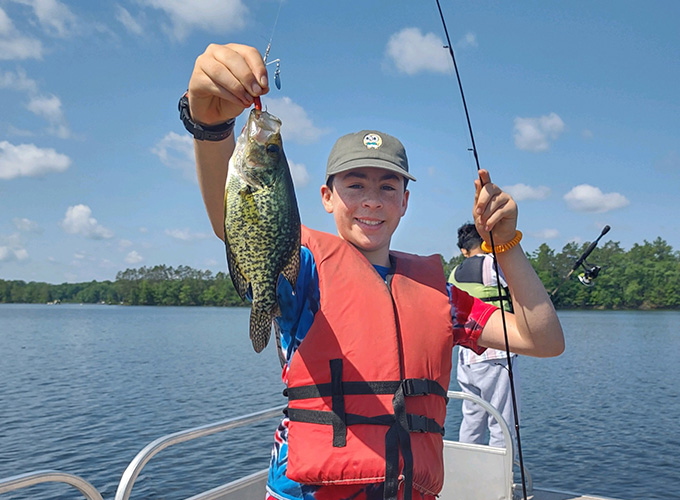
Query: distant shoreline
[644, 278]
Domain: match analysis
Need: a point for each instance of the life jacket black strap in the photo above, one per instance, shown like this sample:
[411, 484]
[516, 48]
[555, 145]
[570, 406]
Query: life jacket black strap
[416, 423]
[338, 404]
[400, 423]
[398, 438]
[423, 387]
[412, 387]
[495, 298]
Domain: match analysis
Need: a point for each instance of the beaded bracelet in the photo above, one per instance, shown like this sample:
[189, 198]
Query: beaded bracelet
[505, 246]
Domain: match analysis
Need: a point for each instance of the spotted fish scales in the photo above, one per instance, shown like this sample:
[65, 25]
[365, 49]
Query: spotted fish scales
[261, 221]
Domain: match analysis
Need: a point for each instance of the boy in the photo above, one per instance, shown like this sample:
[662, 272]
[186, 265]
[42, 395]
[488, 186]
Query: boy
[367, 335]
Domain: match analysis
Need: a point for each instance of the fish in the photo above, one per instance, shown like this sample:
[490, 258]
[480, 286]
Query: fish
[261, 221]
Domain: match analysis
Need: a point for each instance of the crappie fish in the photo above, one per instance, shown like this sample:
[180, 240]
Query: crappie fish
[261, 221]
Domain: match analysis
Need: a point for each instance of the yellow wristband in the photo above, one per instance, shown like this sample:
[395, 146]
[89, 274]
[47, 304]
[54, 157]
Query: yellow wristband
[505, 246]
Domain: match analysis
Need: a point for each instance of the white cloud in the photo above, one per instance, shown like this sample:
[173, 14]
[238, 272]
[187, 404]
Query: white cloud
[522, 192]
[127, 20]
[133, 258]
[55, 17]
[18, 132]
[217, 16]
[26, 225]
[469, 40]
[413, 52]
[186, 234]
[587, 198]
[11, 249]
[297, 126]
[9, 254]
[20, 48]
[299, 174]
[535, 134]
[79, 220]
[45, 106]
[13, 45]
[28, 160]
[18, 81]
[49, 107]
[547, 234]
[6, 25]
[177, 151]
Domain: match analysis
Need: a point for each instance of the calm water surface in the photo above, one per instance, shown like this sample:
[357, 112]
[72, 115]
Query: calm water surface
[84, 388]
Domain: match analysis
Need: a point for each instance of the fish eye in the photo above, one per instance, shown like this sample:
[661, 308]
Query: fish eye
[272, 148]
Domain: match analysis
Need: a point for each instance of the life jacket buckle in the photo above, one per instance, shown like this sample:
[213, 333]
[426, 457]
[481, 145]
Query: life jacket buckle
[417, 423]
[416, 387]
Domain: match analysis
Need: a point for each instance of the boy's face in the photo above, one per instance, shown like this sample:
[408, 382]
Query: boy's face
[367, 204]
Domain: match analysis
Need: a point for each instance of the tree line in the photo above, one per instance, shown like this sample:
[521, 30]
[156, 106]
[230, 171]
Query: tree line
[149, 286]
[645, 277]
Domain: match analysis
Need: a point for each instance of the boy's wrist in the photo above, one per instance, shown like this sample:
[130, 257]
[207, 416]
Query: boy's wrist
[201, 132]
[503, 247]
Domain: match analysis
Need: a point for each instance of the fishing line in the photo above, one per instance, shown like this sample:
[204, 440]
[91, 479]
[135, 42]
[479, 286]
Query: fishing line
[493, 251]
[277, 73]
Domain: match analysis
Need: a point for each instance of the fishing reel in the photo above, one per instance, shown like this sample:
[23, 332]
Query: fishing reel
[589, 274]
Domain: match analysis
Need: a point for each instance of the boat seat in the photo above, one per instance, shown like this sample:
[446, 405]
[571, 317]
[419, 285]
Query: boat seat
[478, 472]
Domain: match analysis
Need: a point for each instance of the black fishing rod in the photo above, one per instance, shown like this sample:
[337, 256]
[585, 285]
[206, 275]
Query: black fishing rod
[590, 272]
[493, 251]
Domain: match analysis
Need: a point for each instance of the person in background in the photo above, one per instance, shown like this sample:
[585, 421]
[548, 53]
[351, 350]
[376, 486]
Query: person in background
[484, 375]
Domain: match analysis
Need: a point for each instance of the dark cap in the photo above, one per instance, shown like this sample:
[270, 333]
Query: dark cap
[368, 148]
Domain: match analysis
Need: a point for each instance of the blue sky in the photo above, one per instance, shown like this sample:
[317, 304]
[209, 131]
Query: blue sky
[574, 105]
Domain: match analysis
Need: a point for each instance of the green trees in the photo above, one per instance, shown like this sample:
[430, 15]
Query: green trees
[158, 285]
[645, 277]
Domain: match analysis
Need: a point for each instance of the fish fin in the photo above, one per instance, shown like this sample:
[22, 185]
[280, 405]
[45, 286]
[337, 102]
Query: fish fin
[237, 278]
[260, 328]
[292, 267]
[279, 347]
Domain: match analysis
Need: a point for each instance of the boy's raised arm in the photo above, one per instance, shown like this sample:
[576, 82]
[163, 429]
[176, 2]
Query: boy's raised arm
[534, 329]
[223, 83]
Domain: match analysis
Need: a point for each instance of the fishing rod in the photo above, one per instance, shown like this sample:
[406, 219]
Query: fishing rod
[590, 272]
[515, 412]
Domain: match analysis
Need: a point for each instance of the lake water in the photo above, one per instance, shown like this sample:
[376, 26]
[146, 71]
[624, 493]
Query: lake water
[84, 388]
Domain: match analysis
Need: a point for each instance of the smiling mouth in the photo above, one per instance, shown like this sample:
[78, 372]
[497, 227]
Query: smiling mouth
[370, 222]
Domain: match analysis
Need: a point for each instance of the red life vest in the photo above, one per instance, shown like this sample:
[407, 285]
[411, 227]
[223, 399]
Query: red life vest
[367, 386]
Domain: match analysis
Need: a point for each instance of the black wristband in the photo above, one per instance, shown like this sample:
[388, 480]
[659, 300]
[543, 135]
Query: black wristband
[217, 132]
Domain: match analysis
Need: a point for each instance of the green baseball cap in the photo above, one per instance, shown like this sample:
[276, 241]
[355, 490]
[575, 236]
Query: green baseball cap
[368, 148]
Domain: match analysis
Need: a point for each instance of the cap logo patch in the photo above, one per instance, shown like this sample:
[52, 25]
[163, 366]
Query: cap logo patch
[372, 141]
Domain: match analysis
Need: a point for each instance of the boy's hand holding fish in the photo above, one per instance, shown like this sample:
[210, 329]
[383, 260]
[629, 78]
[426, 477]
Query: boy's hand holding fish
[224, 82]
[257, 215]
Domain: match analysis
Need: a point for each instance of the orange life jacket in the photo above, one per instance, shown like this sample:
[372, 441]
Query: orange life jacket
[367, 386]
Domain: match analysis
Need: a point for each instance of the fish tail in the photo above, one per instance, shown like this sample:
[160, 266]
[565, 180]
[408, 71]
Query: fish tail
[260, 328]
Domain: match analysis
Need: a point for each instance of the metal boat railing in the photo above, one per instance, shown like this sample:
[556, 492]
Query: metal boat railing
[49, 476]
[138, 463]
[148, 452]
[135, 467]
